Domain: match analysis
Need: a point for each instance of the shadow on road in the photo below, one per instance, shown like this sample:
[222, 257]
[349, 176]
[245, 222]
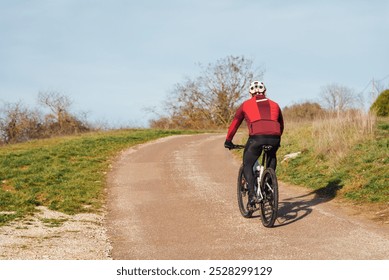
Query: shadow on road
[293, 209]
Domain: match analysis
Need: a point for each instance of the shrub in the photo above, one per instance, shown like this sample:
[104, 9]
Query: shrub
[303, 112]
[18, 123]
[381, 105]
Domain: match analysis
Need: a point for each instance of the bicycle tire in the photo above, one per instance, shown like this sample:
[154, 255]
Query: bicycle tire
[269, 204]
[242, 195]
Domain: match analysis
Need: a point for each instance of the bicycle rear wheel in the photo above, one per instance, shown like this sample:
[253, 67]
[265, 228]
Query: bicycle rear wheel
[243, 195]
[269, 204]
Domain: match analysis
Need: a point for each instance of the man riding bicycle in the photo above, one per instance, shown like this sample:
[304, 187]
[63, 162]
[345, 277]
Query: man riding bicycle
[266, 125]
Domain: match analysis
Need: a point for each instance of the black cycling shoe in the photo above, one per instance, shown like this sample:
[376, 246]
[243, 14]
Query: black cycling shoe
[252, 201]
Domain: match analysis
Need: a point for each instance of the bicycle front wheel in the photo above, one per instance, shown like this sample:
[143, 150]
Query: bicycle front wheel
[269, 204]
[243, 195]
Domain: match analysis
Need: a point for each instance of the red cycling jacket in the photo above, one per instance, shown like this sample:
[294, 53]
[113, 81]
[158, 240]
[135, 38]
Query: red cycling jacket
[263, 117]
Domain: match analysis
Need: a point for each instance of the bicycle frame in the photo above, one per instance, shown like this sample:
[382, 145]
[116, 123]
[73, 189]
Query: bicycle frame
[259, 168]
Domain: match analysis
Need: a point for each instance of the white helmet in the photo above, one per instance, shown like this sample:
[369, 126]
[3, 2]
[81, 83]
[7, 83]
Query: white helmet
[257, 87]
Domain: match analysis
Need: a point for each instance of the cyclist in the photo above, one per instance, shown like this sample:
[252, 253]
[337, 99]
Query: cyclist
[266, 125]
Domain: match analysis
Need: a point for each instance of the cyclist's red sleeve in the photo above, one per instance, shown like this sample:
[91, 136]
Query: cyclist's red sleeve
[239, 116]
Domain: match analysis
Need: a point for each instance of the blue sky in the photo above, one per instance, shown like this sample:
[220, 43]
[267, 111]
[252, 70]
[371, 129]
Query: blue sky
[114, 58]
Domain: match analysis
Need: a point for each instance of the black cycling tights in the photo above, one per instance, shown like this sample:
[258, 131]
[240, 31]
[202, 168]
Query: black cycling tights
[253, 151]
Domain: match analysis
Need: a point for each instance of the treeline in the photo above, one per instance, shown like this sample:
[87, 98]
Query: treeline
[209, 101]
[53, 117]
[337, 102]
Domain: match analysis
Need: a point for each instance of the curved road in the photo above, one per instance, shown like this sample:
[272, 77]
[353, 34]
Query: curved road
[175, 198]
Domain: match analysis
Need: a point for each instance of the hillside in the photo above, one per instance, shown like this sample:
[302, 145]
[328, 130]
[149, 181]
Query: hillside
[355, 170]
[65, 174]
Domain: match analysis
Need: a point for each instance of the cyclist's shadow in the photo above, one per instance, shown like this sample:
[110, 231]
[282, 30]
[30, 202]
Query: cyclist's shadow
[293, 209]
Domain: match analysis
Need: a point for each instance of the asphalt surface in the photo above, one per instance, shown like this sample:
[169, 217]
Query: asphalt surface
[175, 198]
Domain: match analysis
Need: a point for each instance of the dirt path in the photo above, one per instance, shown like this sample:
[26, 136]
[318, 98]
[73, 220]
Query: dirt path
[175, 198]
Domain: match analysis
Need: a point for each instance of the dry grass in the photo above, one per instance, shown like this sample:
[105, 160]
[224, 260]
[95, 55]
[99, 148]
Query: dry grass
[348, 154]
[334, 136]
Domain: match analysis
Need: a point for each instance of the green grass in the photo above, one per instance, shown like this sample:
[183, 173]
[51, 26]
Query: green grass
[53, 222]
[65, 174]
[360, 175]
[369, 164]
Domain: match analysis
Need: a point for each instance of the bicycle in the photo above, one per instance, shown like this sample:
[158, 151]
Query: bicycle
[266, 195]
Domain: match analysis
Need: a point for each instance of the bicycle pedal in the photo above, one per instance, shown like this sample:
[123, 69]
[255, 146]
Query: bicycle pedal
[250, 207]
[253, 207]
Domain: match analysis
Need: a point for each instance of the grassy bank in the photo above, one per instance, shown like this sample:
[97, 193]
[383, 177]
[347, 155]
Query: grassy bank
[347, 157]
[65, 174]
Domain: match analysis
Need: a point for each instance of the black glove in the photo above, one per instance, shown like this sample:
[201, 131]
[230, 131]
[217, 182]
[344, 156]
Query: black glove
[228, 144]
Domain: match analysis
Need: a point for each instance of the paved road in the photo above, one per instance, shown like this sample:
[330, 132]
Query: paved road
[175, 198]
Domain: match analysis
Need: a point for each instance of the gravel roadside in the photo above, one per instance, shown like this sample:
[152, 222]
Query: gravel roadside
[50, 235]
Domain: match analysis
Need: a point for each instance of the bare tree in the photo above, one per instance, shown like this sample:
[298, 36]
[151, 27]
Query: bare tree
[226, 83]
[210, 100]
[337, 98]
[60, 120]
[59, 106]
